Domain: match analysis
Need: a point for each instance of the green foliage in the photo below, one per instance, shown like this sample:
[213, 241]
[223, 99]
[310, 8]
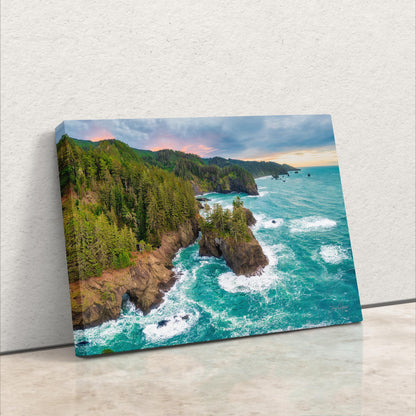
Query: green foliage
[226, 223]
[148, 247]
[107, 293]
[209, 177]
[112, 200]
[257, 169]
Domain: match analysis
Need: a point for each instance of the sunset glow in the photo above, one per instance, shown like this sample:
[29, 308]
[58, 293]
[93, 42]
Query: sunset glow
[175, 143]
[320, 156]
[99, 139]
[300, 141]
[99, 134]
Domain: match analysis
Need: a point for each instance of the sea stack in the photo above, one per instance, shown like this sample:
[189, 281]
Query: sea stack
[226, 234]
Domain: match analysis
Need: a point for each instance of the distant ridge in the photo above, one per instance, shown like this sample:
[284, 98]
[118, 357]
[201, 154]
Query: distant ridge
[257, 169]
[167, 159]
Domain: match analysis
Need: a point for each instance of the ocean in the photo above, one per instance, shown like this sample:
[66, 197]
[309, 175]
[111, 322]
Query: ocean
[310, 280]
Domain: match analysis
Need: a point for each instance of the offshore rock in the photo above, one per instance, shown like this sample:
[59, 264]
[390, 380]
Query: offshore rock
[243, 257]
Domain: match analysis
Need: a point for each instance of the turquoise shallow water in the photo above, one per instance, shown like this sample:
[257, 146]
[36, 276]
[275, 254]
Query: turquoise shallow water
[310, 281]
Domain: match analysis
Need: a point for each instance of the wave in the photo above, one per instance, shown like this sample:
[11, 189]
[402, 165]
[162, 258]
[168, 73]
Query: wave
[333, 254]
[170, 327]
[264, 222]
[232, 283]
[225, 204]
[307, 224]
[109, 330]
[263, 177]
[261, 193]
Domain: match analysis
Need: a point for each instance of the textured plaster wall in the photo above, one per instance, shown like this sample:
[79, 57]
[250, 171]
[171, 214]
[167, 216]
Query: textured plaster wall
[77, 59]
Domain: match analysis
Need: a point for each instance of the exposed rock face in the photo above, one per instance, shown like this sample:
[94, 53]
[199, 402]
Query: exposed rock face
[144, 282]
[196, 188]
[249, 217]
[233, 185]
[243, 257]
[237, 185]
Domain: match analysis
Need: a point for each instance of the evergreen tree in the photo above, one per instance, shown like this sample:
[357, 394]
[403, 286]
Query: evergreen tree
[111, 200]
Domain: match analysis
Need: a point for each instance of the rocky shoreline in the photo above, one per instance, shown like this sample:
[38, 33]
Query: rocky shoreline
[98, 299]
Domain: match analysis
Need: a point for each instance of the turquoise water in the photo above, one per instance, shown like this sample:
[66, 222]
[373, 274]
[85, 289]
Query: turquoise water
[310, 281]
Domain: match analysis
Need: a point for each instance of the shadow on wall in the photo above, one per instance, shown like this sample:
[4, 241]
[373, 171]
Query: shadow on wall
[36, 306]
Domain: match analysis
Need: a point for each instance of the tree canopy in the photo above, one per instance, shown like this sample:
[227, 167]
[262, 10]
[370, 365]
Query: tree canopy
[226, 223]
[114, 203]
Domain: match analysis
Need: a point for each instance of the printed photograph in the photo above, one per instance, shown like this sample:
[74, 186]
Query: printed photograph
[199, 229]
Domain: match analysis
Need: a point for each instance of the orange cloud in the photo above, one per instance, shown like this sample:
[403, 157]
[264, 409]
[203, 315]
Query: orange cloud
[99, 139]
[100, 134]
[200, 149]
[171, 142]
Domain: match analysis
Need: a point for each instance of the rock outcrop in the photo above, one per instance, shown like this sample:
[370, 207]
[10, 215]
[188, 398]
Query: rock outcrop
[251, 220]
[232, 184]
[244, 257]
[99, 299]
[237, 184]
[196, 189]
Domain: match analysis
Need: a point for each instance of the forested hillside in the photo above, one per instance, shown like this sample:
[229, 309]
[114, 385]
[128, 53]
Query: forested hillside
[114, 203]
[117, 199]
[257, 169]
[204, 176]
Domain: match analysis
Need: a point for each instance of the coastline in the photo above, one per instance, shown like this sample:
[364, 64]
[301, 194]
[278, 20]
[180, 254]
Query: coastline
[193, 311]
[99, 299]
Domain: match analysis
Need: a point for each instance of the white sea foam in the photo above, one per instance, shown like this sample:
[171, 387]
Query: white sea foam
[169, 327]
[224, 204]
[263, 222]
[272, 223]
[270, 252]
[110, 329]
[333, 254]
[232, 283]
[283, 252]
[261, 193]
[238, 324]
[307, 224]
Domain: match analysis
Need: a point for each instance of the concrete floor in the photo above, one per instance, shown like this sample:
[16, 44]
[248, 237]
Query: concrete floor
[357, 369]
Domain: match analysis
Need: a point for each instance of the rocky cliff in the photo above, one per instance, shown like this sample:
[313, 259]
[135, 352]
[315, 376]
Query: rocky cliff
[250, 219]
[98, 299]
[244, 257]
[225, 185]
[237, 184]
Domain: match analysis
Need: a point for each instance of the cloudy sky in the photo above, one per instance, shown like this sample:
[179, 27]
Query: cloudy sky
[296, 140]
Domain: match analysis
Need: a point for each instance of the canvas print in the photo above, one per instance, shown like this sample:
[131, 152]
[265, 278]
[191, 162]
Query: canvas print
[197, 229]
